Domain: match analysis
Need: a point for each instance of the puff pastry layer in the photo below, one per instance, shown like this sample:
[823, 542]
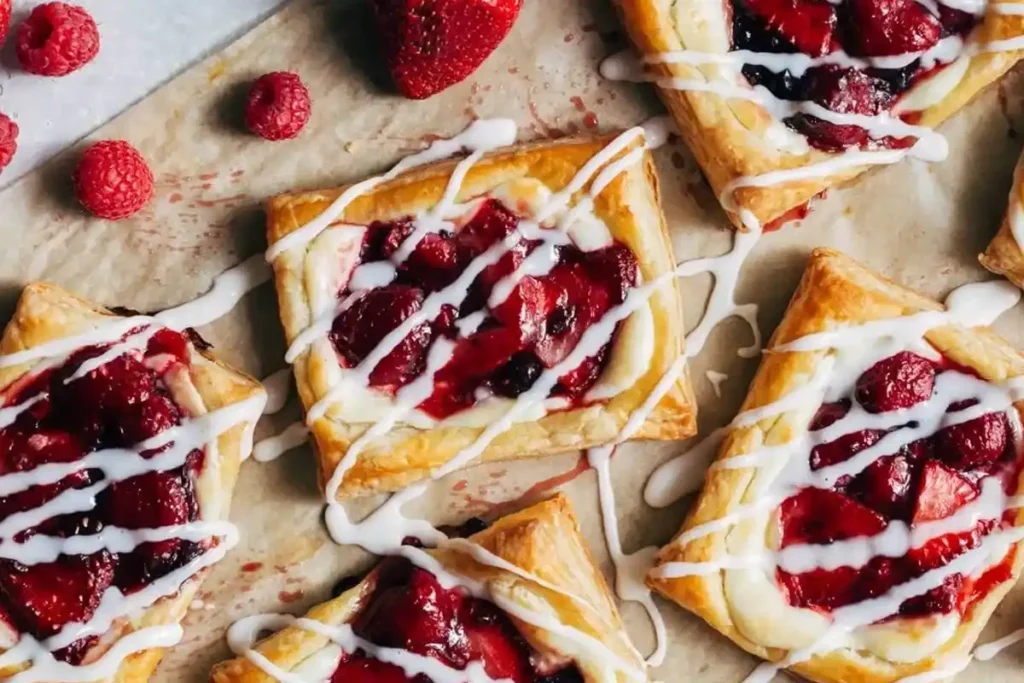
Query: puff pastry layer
[1004, 254]
[46, 313]
[747, 604]
[733, 138]
[545, 543]
[629, 209]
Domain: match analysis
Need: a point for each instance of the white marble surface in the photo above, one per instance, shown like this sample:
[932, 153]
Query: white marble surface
[142, 44]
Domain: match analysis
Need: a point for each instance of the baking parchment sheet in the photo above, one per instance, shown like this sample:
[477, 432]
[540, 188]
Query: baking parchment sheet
[922, 225]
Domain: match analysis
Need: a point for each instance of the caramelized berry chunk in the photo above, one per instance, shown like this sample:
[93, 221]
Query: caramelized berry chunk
[882, 28]
[807, 24]
[975, 443]
[895, 383]
[941, 493]
[886, 486]
[843, 448]
[823, 516]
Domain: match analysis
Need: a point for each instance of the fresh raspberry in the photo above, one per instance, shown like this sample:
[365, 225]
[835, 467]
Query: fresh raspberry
[278, 106]
[8, 134]
[5, 19]
[112, 180]
[57, 39]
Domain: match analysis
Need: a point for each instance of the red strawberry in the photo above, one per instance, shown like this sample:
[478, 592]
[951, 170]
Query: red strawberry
[941, 493]
[940, 600]
[974, 443]
[430, 45]
[829, 413]
[616, 268]
[148, 501]
[843, 448]
[45, 597]
[144, 420]
[494, 641]
[897, 382]
[491, 222]
[939, 551]
[359, 329]
[527, 307]
[820, 588]
[846, 91]
[808, 24]
[575, 383]
[362, 669]
[885, 486]
[20, 452]
[890, 27]
[823, 516]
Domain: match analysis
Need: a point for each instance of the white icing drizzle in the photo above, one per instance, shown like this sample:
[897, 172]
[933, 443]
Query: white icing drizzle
[716, 378]
[277, 386]
[120, 464]
[855, 348]
[272, 448]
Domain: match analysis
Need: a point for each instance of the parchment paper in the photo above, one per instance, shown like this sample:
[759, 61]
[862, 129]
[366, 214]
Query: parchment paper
[922, 225]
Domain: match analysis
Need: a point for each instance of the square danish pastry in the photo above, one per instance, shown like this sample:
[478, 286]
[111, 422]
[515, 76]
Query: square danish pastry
[120, 441]
[781, 100]
[862, 519]
[1005, 253]
[512, 304]
[520, 601]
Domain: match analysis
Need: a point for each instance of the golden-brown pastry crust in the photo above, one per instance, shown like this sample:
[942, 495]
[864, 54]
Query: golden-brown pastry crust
[630, 208]
[1003, 255]
[543, 541]
[728, 138]
[46, 313]
[834, 291]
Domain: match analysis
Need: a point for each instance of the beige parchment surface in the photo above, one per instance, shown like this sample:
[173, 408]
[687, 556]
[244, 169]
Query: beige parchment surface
[922, 225]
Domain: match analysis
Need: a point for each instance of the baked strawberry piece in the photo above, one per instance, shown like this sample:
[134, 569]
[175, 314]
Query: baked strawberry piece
[534, 328]
[927, 480]
[860, 28]
[430, 45]
[411, 611]
[64, 418]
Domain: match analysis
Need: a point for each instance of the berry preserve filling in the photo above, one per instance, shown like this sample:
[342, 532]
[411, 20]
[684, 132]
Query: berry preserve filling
[860, 29]
[927, 480]
[411, 611]
[116, 405]
[536, 326]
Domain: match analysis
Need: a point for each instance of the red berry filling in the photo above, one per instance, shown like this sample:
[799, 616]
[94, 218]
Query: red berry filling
[533, 329]
[410, 610]
[860, 28]
[116, 405]
[926, 480]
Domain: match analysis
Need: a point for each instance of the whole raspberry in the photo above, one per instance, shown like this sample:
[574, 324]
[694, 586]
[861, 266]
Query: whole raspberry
[112, 180]
[5, 19]
[8, 139]
[278, 106]
[56, 39]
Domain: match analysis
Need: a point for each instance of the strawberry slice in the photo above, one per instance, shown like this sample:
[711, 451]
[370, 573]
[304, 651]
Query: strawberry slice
[361, 669]
[21, 452]
[941, 493]
[808, 24]
[886, 486]
[147, 419]
[895, 383]
[822, 516]
[45, 597]
[843, 448]
[430, 45]
[882, 28]
[493, 641]
[360, 328]
[973, 444]
[148, 501]
[527, 307]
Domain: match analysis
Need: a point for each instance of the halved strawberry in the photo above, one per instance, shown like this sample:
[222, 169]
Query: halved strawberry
[44, 597]
[147, 419]
[359, 668]
[527, 307]
[822, 516]
[24, 451]
[430, 45]
[941, 493]
[895, 383]
[494, 641]
[843, 448]
[972, 444]
[491, 222]
[807, 24]
[886, 486]
[616, 268]
[148, 501]
[829, 413]
[881, 28]
[360, 328]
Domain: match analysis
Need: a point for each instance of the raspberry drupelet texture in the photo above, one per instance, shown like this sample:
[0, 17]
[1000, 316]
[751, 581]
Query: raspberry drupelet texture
[113, 180]
[278, 106]
[56, 39]
[8, 139]
[5, 19]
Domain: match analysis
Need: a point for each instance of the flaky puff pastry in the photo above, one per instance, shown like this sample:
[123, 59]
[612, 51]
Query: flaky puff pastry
[736, 138]
[1004, 254]
[629, 208]
[46, 313]
[746, 605]
[543, 542]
